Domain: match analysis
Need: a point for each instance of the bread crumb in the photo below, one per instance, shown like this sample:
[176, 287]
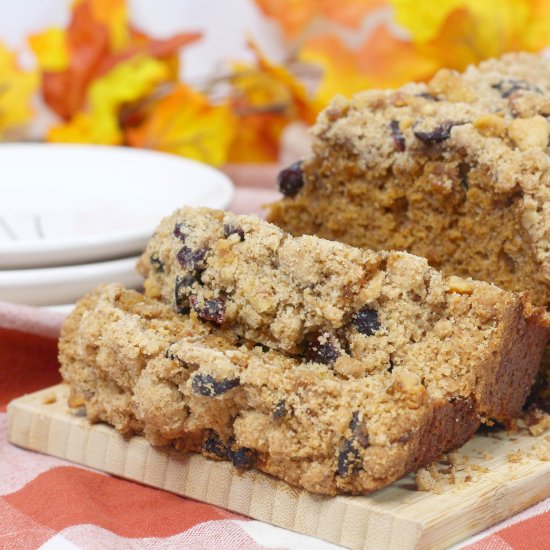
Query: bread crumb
[541, 450]
[514, 456]
[535, 421]
[456, 459]
[49, 398]
[424, 480]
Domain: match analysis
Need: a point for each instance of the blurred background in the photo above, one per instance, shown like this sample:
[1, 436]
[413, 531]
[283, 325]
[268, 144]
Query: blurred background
[229, 82]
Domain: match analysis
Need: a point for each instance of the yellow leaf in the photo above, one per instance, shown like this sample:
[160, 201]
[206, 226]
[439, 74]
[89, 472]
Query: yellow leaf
[16, 90]
[423, 18]
[87, 128]
[459, 32]
[538, 24]
[114, 15]
[127, 82]
[185, 123]
[50, 48]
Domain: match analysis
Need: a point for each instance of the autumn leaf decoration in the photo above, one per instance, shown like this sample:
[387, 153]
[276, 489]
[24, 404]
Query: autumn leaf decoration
[244, 125]
[16, 90]
[184, 122]
[265, 97]
[432, 35]
[97, 65]
[110, 83]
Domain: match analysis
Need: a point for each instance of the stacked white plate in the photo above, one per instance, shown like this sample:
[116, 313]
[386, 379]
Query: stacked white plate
[73, 217]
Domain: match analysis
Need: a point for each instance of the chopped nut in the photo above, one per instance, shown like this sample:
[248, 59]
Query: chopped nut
[450, 84]
[424, 480]
[459, 285]
[455, 459]
[541, 451]
[403, 383]
[529, 218]
[529, 133]
[490, 126]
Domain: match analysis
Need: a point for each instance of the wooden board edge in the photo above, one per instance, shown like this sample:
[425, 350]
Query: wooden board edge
[354, 522]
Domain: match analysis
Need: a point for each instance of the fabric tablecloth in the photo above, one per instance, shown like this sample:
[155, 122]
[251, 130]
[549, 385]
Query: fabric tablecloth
[46, 502]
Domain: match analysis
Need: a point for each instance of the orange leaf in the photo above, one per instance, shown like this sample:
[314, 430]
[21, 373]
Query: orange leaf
[382, 61]
[351, 12]
[185, 123]
[88, 44]
[390, 61]
[340, 67]
[258, 138]
[295, 16]
[292, 15]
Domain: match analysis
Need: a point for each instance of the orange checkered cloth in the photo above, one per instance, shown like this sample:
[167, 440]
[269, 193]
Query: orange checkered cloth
[46, 502]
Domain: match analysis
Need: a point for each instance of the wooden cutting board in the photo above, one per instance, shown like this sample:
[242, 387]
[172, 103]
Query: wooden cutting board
[506, 480]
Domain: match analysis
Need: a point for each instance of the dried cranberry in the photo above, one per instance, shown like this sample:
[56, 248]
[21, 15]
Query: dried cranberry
[181, 299]
[366, 321]
[156, 263]
[438, 134]
[322, 348]
[179, 231]
[398, 137]
[214, 445]
[359, 430]
[169, 353]
[291, 180]
[211, 310]
[242, 458]
[185, 257]
[207, 385]
[280, 410]
[230, 229]
[463, 171]
[510, 86]
[192, 259]
[427, 95]
[349, 460]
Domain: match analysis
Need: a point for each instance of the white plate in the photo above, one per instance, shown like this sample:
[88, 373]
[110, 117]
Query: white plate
[65, 204]
[62, 285]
